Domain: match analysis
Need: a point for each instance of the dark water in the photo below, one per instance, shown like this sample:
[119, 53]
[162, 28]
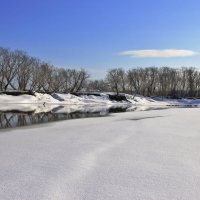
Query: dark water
[10, 118]
[19, 115]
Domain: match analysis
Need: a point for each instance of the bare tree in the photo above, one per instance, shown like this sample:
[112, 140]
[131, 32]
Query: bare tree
[116, 79]
[8, 68]
[25, 65]
[97, 86]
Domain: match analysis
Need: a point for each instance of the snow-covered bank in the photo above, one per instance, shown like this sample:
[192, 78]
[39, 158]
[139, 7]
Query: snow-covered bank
[56, 98]
[27, 99]
[134, 155]
[101, 99]
[183, 101]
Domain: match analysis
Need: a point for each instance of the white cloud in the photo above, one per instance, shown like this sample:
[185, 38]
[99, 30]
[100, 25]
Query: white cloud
[158, 53]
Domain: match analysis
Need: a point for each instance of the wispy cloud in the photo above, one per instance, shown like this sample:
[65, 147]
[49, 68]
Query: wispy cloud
[158, 53]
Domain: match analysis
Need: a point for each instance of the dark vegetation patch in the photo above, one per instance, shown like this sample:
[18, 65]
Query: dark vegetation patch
[112, 97]
[18, 93]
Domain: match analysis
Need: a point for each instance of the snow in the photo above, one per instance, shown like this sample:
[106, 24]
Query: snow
[102, 99]
[23, 99]
[182, 101]
[68, 98]
[41, 98]
[133, 155]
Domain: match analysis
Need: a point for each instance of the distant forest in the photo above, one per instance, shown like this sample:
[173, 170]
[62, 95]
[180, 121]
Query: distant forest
[21, 72]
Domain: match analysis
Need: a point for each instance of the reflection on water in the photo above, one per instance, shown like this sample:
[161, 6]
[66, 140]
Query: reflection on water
[36, 114]
[9, 120]
[12, 115]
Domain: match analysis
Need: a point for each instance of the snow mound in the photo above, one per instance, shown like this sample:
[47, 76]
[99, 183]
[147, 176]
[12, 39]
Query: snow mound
[68, 98]
[140, 100]
[22, 99]
[41, 98]
[102, 98]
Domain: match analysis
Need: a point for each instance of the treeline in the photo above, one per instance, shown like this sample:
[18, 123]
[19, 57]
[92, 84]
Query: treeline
[152, 81]
[19, 71]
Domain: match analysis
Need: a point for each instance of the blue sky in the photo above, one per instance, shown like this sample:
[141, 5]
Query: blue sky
[97, 34]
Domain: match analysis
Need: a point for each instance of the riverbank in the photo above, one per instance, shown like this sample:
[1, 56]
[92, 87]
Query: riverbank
[93, 99]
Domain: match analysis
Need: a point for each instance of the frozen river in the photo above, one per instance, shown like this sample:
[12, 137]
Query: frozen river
[130, 155]
[12, 115]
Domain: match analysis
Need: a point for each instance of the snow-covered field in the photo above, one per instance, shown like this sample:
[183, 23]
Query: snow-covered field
[152, 155]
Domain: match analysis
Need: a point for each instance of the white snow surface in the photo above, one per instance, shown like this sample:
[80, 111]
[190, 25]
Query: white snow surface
[152, 155]
[27, 99]
[23, 99]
